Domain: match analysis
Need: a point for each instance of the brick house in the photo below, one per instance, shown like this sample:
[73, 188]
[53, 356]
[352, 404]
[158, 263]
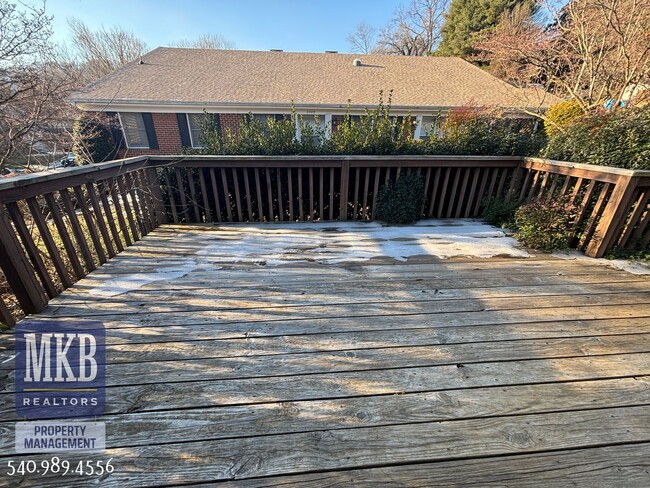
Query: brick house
[159, 97]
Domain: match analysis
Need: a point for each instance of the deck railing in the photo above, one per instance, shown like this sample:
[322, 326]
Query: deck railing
[57, 227]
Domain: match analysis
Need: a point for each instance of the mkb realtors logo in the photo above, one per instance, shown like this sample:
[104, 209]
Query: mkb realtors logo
[60, 369]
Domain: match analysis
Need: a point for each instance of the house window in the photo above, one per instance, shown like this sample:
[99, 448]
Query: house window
[318, 122]
[194, 122]
[135, 132]
[430, 125]
[264, 118]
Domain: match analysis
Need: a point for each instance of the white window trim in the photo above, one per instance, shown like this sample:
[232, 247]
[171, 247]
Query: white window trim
[189, 129]
[126, 138]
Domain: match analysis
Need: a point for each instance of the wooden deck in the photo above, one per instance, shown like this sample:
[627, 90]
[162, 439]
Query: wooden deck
[461, 372]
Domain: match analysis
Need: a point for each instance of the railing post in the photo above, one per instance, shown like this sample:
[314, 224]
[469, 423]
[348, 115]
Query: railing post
[613, 215]
[345, 183]
[5, 315]
[18, 271]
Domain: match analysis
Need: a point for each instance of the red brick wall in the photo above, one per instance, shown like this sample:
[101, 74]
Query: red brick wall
[230, 121]
[169, 137]
[167, 133]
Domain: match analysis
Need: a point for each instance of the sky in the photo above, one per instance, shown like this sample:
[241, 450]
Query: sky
[291, 25]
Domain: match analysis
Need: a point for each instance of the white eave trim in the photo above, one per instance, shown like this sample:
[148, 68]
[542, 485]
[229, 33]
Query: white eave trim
[265, 108]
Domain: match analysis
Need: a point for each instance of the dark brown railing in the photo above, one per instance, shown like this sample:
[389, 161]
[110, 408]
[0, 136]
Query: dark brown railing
[57, 227]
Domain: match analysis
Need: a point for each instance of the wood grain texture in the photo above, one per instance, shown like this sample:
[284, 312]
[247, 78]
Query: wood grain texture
[497, 372]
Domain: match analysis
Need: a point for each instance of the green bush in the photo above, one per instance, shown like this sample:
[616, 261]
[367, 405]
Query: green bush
[475, 131]
[401, 202]
[466, 131]
[619, 138]
[546, 226]
[500, 213]
[561, 114]
[93, 138]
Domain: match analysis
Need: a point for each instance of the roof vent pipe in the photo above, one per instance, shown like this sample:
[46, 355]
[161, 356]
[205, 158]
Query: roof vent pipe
[356, 62]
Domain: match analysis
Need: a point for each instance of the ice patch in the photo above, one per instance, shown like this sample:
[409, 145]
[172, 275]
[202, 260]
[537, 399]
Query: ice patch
[130, 282]
[276, 244]
[634, 267]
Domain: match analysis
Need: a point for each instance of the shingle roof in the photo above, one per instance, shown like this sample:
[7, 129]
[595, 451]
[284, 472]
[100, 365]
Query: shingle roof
[229, 77]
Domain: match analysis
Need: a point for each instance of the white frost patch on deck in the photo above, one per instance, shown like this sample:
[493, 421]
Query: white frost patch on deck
[129, 282]
[333, 243]
[631, 266]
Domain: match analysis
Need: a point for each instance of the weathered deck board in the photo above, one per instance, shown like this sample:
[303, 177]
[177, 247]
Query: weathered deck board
[493, 372]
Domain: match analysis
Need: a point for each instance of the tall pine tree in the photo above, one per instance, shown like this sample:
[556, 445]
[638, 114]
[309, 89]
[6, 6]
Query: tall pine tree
[467, 17]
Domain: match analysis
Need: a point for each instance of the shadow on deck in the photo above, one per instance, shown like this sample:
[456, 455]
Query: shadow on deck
[266, 369]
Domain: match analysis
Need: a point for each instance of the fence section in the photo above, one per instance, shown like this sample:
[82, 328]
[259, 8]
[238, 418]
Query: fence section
[57, 227]
[280, 189]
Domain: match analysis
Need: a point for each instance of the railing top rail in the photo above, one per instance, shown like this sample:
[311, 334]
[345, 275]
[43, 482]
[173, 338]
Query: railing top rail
[62, 174]
[25, 186]
[590, 167]
[414, 157]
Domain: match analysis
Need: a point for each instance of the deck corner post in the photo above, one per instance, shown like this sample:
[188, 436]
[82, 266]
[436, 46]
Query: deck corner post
[613, 216]
[17, 269]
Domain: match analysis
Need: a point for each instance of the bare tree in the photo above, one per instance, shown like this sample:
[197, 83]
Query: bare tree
[415, 29]
[33, 83]
[593, 51]
[102, 51]
[363, 39]
[207, 41]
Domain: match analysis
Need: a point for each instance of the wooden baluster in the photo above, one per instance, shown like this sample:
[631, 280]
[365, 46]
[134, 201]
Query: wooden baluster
[481, 191]
[71, 251]
[108, 211]
[32, 251]
[355, 209]
[155, 195]
[48, 240]
[247, 189]
[375, 191]
[290, 186]
[90, 224]
[595, 214]
[226, 194]
[617, 207]
[493, 180]
[117, 195]
[300, 202]
[331, 209]
[183, 196]
[17, 270]
[452, 195]
[135, 205]
[206, 201]
[269, 189]
[235, 179]
[215, 191]
[311, 194]
[258, 189]
[434, 191]
[5, 315]
[445, 184]
[171, 197]
[77, 231]
[195, 202]
[461, 194]
[99, 217]
[637, 210]
[426, 190]
[345, 184]
[278, 178]
[320, 195]
[472, 194]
